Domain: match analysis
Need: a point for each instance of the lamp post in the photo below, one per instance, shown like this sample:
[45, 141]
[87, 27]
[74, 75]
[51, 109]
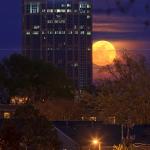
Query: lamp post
[97, 142]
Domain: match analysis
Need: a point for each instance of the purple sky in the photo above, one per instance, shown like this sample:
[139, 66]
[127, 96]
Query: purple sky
[123, 30]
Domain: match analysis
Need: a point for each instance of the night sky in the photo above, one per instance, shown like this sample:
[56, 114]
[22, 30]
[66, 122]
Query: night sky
[124, 30]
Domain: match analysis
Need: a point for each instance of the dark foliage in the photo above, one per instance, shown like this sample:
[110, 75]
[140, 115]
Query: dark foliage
[28, 130]
[36, 79]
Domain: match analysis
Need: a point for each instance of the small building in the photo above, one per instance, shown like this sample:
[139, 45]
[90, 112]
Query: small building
[7, 110]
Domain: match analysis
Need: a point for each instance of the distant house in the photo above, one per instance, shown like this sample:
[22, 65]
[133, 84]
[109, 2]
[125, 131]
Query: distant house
[7, 110]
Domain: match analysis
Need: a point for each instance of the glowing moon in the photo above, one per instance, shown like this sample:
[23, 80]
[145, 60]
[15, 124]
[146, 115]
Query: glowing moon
[104, 53]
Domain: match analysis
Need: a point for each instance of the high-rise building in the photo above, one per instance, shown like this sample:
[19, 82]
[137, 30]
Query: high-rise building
[60, 32]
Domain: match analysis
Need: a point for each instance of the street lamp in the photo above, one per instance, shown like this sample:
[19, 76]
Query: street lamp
[97, 142]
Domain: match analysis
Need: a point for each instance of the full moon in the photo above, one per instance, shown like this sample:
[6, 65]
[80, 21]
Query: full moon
[104, 53]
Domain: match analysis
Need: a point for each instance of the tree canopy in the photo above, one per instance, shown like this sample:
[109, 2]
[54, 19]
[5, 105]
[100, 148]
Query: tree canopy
[125, 96]
[34, 79]
[28, 130]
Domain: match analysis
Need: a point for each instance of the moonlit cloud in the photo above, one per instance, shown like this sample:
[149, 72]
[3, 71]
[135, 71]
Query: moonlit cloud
[116, 27]
[105, 23]
[125, 30]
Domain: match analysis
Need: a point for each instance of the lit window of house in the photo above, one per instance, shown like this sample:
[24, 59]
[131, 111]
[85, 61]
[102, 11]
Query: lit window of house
[6, 115]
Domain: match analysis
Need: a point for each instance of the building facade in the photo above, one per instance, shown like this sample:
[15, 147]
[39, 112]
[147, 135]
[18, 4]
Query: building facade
[60, 32]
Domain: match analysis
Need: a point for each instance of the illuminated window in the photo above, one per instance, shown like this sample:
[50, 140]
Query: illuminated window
[89, 33]
[76, 32]
[6, 115]
[62, 21]
[63, 5]
[63, 10]
[82, 27]
[50, 10]
[83, 5]
[58, 10]
[68, 5]
[88, 17]
[36, 27]
[75, 65]
[88, 6]
[43, 10]
[68, 10]
[43, 32]
[49, 21]
[70, 32]
[82, 32]
[27, 33]
[56, 21]
[92, 118]
[50, 32]
[75, 27]
[34, 8]
[35, 33]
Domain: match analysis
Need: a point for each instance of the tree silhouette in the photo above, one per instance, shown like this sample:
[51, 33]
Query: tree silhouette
[34, 79]
[28, 130]
[126, 95]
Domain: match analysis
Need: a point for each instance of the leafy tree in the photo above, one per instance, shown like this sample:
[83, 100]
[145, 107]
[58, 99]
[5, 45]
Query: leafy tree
[34, 79]
[10, 137]
[88, 104]
[29, 130]
[126, 96]
[64, 110]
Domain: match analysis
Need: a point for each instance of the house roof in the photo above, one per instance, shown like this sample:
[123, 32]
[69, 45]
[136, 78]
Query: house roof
[8, 107]
[83, 132]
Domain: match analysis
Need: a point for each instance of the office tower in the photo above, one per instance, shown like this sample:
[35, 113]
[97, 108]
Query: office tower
[60, 32]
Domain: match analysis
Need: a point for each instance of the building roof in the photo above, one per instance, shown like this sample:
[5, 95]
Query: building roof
[83, 132]
[8, 107]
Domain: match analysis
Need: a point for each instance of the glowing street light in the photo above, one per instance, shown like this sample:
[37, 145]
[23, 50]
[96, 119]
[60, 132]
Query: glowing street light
[97, 142]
